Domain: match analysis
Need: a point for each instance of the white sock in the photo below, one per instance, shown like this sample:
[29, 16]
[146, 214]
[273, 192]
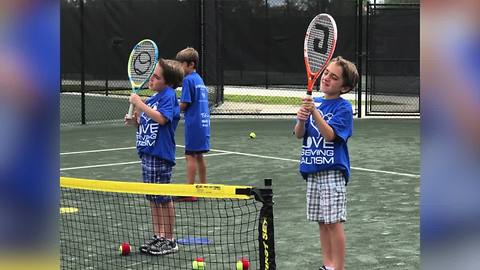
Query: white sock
[329, 268]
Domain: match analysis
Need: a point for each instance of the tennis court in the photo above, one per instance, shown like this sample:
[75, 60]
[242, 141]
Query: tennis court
[383, 214]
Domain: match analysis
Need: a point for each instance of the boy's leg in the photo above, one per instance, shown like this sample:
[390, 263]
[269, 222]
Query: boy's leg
[202, 168]
[166, 243]
[337, 238]
[169, 219]
[326, 244]
[157, 218]
[191, 168]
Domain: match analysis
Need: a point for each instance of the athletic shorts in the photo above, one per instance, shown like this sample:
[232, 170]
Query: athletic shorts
[158, 171]
[326, 197]
[192, 153]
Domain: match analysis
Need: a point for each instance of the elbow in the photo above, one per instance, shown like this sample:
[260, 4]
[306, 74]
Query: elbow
[298, 135]
[330, 137]
[163, 122]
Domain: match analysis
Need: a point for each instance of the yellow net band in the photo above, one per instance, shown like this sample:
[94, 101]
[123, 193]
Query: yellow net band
[196, 190]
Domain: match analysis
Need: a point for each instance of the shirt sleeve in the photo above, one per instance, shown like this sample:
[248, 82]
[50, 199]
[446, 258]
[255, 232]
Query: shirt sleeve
[342, 122]
[186, 91]
[165, 106]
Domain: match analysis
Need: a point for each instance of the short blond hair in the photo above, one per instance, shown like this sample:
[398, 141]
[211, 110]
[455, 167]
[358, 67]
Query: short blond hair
[189, 55]
[172, 72]
[350, 72]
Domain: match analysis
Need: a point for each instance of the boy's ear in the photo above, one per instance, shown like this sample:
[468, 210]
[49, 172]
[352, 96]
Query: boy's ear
[191, 64]
[345, 89]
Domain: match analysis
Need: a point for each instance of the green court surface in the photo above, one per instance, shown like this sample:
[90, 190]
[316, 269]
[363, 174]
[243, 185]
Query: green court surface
[382, 229]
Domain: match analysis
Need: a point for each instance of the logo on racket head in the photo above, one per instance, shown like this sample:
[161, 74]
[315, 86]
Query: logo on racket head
[142, 63]
[316, 41]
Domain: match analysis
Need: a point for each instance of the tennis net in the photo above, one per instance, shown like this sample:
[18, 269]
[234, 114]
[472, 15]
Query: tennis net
[225, 224]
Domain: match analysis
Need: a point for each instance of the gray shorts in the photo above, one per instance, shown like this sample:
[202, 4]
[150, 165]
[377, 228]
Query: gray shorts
[326, 197]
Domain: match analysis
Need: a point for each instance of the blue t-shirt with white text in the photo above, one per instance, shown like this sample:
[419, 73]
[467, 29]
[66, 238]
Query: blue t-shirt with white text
[197, 114]
[320, 155]
[153, 138]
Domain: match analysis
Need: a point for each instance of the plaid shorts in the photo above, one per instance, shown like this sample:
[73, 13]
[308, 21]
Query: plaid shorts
[159, 171]
[326, 197]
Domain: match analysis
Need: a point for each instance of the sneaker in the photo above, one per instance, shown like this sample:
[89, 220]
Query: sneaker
[163, 247]
[144, 247]
[323, 268]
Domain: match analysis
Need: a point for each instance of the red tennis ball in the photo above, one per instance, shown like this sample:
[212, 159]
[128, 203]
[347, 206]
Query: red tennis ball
[199, 260]
[124, 249]
[246, 263]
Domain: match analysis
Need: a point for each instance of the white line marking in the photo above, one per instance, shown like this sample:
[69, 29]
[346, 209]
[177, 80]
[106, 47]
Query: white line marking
[99, 165]
[124, 163]
[297, 161]
[96, 151]
[222, 152]
[386, 172]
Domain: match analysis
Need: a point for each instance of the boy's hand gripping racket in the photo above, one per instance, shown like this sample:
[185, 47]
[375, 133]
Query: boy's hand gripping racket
[318, 47]
[141, 64]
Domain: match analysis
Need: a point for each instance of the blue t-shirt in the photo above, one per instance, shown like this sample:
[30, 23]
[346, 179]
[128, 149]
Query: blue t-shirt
[197, 114]
[153, 138]
[320, 155]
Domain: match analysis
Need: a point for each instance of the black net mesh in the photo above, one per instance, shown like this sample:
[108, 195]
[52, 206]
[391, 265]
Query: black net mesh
[94, 224]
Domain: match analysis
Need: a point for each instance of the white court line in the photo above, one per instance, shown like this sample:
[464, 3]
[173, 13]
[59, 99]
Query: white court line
[124, 163]
[96, 151]
[102, 150]
[295, 160]
[222, 152]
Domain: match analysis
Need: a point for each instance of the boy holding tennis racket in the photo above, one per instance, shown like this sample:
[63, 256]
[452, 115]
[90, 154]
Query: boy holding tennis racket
[325, 124]
[194, 102]
[156, 120]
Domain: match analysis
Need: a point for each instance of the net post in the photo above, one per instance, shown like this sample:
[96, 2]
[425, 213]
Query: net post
[265, 228]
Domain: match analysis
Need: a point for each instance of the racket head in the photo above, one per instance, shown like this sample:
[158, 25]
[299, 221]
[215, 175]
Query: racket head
[141, 63]
[319, 46]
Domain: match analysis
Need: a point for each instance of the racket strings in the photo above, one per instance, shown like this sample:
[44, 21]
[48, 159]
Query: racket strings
[316, 35]
[143, 62]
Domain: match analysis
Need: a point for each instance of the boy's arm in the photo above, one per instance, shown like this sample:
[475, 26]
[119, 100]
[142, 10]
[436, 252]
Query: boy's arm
[302, 116]
[299, 129]
[142, 107]
[133, 121]
[323, 127]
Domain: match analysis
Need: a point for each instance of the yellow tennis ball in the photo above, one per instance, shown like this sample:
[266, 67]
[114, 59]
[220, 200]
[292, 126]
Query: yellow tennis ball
[253, 135]
[239, 265]
[196, 265]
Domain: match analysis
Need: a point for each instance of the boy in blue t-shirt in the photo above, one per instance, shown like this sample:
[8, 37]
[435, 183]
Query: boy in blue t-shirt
[194, 102]
[156, 120]
[325, 124]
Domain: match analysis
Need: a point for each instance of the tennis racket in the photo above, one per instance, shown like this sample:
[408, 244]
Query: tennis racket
[141, 64]
[318, 47]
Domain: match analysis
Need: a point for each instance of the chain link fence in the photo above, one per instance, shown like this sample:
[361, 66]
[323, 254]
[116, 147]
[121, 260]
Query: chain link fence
[251, 53]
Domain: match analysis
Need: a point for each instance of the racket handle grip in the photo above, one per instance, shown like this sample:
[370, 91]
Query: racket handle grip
[130, 112]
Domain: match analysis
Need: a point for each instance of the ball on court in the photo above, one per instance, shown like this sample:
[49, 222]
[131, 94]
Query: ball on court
[198, 264]
[124, 249]
[253, 135]
[246, 263]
